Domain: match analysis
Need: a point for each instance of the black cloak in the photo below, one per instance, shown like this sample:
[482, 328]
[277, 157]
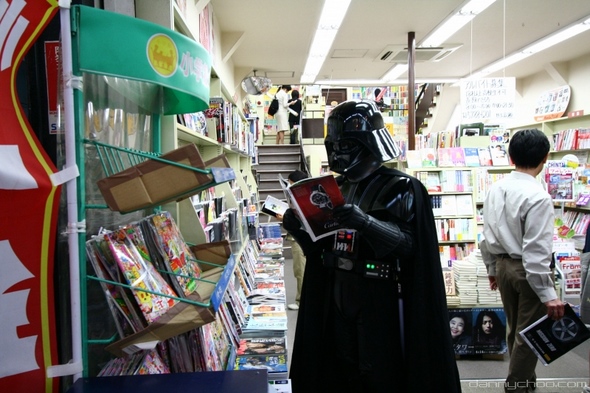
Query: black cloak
[424, 362]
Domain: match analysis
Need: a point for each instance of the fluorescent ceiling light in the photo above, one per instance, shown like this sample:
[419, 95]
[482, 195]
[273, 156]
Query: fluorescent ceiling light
[459, 18]
[455, 22]
[380, 82]
[559, 36]
[332, 16]
[395, 72]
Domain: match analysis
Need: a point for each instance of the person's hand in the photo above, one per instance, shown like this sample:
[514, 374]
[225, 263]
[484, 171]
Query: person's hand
[493, 283]
[351, 216]
[290, 221]
[279, 216]
[555, 309]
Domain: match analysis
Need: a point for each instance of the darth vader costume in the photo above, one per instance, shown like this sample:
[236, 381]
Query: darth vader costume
[373, 313]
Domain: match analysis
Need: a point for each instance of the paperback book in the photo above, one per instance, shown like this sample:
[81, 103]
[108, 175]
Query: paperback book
[551, 339]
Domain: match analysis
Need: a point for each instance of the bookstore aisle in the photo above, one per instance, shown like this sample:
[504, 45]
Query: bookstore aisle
[568, 374]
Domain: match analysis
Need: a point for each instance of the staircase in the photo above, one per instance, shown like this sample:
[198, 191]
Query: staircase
[426, 101]
[272, 161]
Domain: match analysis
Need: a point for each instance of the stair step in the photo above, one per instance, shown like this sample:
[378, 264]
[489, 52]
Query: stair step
[277, 153]
[262, 160]
[279, 167]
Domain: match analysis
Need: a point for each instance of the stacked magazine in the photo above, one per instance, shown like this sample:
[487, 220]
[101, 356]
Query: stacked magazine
[264, 334]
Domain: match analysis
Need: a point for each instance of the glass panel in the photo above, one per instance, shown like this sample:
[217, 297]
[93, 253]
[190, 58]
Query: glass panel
[118, 112]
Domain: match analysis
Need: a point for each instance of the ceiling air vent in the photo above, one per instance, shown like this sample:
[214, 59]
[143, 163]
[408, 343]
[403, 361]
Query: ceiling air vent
[399, 53]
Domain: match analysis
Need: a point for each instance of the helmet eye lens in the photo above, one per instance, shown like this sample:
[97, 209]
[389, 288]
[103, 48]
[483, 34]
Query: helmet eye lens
[345, 145]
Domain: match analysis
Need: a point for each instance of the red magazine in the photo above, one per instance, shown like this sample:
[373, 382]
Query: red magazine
[314, 200]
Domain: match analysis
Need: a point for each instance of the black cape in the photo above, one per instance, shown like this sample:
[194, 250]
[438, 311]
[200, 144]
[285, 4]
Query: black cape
[429, 361]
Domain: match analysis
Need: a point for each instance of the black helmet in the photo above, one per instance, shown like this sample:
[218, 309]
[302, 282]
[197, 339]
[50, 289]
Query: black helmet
[357, 142]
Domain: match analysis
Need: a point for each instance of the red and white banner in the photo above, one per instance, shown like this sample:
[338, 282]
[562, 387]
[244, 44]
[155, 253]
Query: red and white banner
[28, 217]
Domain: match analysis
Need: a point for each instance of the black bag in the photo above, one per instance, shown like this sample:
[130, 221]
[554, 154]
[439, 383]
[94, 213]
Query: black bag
[273, 107]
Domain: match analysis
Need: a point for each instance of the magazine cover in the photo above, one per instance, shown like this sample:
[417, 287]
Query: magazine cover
[560, 181]
[551, 339]
[273, 206]
[485, 157]
[471, 156]
[141, 274]
[314, 199]
[262, 346]
[271, 363]
[499, 155]
[571, 266]
[445, 157]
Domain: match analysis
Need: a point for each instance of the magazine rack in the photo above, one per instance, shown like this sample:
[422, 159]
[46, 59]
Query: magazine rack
[116, 159]
[189, 313]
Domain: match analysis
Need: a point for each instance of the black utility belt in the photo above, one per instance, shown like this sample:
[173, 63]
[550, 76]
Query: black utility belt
[366, 268]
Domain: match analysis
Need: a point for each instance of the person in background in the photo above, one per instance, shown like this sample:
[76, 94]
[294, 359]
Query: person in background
[282, 115]
[373, 314]
[294, 115]
[517, 249]
[298, 256]
[378, 100]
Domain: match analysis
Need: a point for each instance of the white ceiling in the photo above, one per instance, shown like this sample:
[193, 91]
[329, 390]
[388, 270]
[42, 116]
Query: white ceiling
[275, 35]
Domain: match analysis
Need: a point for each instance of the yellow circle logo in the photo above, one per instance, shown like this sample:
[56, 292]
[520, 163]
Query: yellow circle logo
[162, 54]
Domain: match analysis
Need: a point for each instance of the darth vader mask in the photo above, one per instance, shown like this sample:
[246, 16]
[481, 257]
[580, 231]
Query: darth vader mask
[357, 142]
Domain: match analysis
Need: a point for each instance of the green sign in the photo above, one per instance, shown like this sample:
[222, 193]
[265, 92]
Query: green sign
[120, 46]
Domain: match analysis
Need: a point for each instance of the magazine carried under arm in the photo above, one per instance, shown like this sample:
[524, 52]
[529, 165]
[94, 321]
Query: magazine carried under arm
[314, 200]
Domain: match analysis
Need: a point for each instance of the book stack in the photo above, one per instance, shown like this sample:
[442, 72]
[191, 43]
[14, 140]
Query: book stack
[466, 281]
[262, 352]
[485, 295]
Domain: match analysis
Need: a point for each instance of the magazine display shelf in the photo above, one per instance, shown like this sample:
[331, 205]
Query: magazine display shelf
[115, 159]
[189, 313]
[129, 89]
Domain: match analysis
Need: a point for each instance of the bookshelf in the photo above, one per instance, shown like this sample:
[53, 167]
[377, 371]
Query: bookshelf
[569, 136]
[452, 194]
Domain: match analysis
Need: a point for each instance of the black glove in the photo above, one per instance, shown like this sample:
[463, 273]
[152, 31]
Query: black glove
[290, 221]
[351, 216]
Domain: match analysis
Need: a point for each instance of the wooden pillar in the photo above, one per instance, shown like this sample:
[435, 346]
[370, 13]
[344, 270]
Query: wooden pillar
[411, 91]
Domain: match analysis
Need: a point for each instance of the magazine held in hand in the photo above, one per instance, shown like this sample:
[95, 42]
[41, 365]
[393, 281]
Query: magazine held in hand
[273, 206]
[551, 339]
[314, 200]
